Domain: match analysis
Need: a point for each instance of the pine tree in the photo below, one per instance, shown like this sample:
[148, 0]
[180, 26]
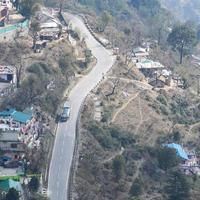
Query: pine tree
[118, 166]
[12, 195]
[178, 187]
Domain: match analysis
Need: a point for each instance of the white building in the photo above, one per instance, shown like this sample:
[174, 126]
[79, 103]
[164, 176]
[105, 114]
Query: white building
[140, 52]
[149, 64]
[7, 74]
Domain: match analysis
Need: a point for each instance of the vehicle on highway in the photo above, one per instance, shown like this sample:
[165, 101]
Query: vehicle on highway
[65, 112]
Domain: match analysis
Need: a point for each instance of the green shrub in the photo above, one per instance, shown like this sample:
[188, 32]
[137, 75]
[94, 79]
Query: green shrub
[12, 194]
[107, 114]
[155, 106]
[66, 62]
[136, 188]
[161, 98]
[124, 138]
[131, 167]
[118, 166]
[122, 186]
[88, 56]
[39, 69]
[178, 187]
[34, 184]
[164, 110]
[51, 101]
[167, 158]
[102, 135]
[110, 138]
[176, 136]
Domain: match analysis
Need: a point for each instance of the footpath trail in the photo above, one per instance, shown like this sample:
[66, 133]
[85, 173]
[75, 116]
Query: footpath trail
[124, 106]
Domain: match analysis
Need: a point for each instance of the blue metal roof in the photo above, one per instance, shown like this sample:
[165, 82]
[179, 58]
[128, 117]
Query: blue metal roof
[21, 117]
[179, 150]
[16, 115]
[5, 185]
[7, 113]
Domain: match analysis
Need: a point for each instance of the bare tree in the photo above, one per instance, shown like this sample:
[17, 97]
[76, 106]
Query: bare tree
[115, 84]
[16, 55]
[29, 7]
[61, 3]
[33, 31]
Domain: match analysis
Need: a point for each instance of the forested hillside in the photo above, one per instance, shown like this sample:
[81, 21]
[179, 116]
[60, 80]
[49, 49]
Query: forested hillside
[184, 9]
[131, 19]
[125, 123]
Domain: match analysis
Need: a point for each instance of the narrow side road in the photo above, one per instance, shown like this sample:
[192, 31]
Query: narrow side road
[65, 138]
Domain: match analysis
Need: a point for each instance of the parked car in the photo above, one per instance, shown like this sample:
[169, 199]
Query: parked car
[4, 159]
[65, 112]
[11, 164]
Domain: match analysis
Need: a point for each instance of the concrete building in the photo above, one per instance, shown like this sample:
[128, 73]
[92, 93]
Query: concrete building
[13, 117]
[50, 26]
[7, 74]
[140, 52]
[149, 64]
[10, 142]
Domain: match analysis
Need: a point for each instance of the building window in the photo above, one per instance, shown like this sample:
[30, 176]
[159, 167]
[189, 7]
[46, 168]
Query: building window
[14, 146]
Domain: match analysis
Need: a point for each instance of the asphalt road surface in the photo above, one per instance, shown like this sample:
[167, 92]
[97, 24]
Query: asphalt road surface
[65, 138]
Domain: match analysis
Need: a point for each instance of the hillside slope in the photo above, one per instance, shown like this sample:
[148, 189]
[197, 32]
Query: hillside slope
[184, 9]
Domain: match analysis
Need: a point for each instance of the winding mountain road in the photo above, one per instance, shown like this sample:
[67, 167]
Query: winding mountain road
[65, 138]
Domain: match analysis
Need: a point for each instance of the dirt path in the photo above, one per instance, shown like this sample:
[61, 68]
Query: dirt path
[124, 106]
[142, 85]
[113, 156]
[193, 126]
[141, 117]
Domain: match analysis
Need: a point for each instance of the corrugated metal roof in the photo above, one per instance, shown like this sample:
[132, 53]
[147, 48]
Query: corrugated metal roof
[16, 115]
[7, 113]
[139, 50]
[21, 117]
[148, 64]
[9, 136]
[179, 150]
[5, 185]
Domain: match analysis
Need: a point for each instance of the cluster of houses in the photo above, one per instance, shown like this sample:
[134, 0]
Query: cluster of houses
[19, 129]
[50, 29]
[190, 163]
[10, 18]
[157, 75]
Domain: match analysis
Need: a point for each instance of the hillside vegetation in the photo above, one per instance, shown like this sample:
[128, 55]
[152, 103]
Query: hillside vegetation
[184, 9]
[121, 156]
[127, 21]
